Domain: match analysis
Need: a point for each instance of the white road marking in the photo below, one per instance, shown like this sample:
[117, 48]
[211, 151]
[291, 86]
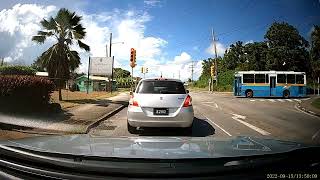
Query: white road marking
[298, 100]
[237, 117]
[210, 121]
[210, 102]
[295, 106]
[216, 105]
[289, 100]
[262, 100]
[316, 135]
[252, 100]
[271, 100]
[281, 100]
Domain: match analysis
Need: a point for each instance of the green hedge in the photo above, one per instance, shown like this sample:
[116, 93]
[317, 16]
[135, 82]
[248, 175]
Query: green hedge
[17, 70]
[19, 90]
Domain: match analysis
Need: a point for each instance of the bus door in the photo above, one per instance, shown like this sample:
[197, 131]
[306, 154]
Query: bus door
[237, 86]
[272, 86]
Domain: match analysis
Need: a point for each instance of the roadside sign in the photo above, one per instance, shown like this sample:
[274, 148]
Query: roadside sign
[101, 66]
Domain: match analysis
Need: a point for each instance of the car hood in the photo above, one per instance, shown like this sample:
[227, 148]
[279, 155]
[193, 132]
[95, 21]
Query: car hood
[155, 147]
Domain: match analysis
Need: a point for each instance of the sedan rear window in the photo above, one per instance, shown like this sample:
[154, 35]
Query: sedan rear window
[161, 87]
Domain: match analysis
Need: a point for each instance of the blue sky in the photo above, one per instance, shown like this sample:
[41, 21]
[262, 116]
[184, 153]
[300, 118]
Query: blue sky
[168, 31]
[187, 24]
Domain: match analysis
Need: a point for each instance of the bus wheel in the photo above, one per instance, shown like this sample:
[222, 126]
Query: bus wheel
[249, 94]
[286, 94]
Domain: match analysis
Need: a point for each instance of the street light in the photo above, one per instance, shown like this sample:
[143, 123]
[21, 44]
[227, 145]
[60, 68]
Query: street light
[110, 47]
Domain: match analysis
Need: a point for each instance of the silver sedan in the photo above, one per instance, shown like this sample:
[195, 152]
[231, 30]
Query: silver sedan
[160, 102]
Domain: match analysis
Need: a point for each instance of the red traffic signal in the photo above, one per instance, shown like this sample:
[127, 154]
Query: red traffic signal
[132, 55]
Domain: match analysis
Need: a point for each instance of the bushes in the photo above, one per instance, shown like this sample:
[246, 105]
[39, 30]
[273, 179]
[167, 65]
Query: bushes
[25, 90]
[17, 70]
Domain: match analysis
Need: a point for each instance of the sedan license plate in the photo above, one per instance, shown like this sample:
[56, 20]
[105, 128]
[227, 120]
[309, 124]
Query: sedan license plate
[160, 111]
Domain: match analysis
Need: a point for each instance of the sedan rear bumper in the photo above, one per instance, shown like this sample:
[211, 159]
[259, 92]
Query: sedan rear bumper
[137, 118]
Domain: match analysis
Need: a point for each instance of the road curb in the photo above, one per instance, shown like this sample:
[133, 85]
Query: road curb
[39, 131]
[19, 128]
[307, 111]
[104, 117]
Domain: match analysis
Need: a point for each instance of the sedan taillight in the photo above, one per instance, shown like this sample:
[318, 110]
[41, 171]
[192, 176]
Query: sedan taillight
[187, 102]
[133, 102]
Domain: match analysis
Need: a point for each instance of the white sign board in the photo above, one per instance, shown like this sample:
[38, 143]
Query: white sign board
[101, 66]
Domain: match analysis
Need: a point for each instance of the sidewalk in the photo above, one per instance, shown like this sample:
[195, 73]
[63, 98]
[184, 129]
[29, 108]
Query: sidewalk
[75, 120]
[307, 106]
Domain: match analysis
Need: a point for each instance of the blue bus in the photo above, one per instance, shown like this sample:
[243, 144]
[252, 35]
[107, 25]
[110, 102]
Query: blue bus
[270, 84]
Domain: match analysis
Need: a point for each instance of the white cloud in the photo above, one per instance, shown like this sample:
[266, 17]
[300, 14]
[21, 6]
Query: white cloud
[248, 42]
[182, 58]
[152, 3]
[180, 65]
[17, 25]
[21, 22]
[220, 49]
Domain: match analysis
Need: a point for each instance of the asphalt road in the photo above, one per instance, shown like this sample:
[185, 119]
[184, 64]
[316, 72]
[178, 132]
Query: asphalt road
[222, 115]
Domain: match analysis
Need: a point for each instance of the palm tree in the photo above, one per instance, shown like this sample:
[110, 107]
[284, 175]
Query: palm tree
[59, 59]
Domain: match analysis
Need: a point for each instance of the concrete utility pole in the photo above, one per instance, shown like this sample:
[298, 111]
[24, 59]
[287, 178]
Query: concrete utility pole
[192, 68]
[179, 74]
[216, 55]
[110, 44]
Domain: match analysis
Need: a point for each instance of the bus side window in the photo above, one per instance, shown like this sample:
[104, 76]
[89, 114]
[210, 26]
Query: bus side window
[281, 78]
[248, 78]
[299, 79]
[260, 78]
[291, 79]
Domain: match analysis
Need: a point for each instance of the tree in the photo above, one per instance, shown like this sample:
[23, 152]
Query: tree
[234, 56]
[35, 65]
[121, 73]
[255, 56]
[315, 51]
[287, 48]
[59, 59]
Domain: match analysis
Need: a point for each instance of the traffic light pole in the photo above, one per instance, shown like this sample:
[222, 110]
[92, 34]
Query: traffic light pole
[132, 79]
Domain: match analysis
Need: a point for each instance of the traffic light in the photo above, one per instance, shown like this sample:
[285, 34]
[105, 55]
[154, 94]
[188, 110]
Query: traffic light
[133, 58]
[212, 70]
[132, 55]
[141, 69]
[146, 70]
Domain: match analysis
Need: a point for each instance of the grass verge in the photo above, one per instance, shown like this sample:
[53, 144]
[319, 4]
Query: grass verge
[72, 99]
[316, 103]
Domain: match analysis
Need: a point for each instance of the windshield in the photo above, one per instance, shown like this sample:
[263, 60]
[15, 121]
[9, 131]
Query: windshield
[161, 87]
[160, 78]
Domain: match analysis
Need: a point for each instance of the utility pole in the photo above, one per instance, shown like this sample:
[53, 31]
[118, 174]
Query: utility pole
[110, 44]
[192, 67]
[2, 59]
[179, 74]
[216, 56]
[173, 75]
